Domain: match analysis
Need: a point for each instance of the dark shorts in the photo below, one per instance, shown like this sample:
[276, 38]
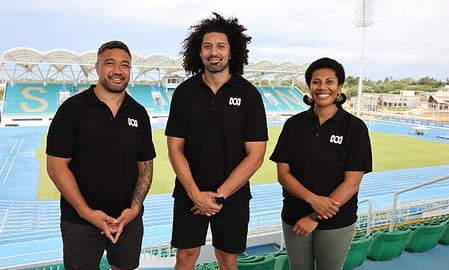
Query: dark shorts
[229, 227]
[84, 246]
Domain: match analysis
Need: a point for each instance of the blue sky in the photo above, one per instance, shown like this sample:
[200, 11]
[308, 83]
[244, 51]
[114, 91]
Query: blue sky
[408, 38]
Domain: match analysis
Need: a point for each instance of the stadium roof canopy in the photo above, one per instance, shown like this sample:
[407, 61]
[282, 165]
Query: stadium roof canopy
[24, 64]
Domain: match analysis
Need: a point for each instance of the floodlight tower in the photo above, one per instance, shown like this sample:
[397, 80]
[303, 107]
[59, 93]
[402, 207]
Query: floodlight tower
[363, 19]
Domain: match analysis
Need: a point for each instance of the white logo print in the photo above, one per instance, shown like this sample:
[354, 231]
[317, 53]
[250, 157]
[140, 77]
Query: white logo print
[132, 122]
[235, 101]
[336, 139]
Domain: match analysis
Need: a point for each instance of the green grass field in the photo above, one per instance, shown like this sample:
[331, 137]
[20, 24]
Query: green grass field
[390, 152]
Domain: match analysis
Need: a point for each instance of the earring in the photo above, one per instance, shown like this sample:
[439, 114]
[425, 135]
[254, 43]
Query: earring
[307, 100]
[340, 99]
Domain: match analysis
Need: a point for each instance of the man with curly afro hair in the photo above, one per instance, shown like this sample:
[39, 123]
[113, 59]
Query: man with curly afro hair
[216, 136]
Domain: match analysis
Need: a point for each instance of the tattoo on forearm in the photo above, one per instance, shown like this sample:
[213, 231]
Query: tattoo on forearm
[143, 182]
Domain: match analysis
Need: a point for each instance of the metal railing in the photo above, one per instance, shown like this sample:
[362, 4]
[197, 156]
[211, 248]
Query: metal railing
[396, 195]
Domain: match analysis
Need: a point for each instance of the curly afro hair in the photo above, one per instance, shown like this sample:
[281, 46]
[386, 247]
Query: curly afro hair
[237, 39]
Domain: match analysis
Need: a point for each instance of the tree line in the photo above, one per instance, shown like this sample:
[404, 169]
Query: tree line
[388, 85]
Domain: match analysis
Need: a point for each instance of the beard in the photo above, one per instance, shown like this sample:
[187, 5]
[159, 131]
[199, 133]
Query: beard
[216, 67]
[113, 87]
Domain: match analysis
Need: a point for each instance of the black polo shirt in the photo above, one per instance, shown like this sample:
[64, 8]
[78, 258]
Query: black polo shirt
[104, 150]
[319, 156]
[215, 128]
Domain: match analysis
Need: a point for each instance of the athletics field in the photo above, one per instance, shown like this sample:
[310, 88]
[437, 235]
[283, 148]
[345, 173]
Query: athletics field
[391, 151]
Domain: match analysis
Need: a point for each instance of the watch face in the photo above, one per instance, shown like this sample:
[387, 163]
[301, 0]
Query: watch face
[314, 216]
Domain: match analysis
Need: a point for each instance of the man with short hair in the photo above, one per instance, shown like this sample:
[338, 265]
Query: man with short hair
[100, 157]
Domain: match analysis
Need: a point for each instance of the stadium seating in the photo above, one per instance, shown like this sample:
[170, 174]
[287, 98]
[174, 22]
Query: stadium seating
[207, 266]
[31, 103]
[388, 245]
[152, 97]
[424, 237]
[282, 99]
[277, 260]
[281, 260]
[37, 99]
[444, 237]
[260, 263]
[358, 252]
[36, 215]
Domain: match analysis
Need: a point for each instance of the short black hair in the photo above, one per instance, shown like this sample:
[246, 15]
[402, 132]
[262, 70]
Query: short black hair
[325, 62]
[113, 44]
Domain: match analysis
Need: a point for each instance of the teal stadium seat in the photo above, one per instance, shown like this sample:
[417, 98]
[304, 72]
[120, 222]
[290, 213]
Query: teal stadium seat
[58, 266]
[39, 99]
[152, 97]
[282, 99]
[36, 99]
[104, 264]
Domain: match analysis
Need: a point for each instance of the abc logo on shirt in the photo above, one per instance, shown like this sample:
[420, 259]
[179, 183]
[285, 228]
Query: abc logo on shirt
[133, 122]
[235, 101]
[336, 139]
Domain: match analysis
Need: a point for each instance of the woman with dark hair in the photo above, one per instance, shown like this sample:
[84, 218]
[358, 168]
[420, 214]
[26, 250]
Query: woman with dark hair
[321, 156]
[216, 137]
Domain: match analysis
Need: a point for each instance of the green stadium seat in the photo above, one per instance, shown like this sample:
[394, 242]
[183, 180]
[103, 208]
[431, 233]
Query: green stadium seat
[388, 245]
[281, 261]
[263, 263]
[249, 258]
[207, 266]
[424, 238]
[358, 252]
[252, 258]
[444, 237]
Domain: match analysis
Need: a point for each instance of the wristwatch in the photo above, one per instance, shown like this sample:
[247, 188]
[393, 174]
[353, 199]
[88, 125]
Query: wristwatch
[314, 216]
[219, 200]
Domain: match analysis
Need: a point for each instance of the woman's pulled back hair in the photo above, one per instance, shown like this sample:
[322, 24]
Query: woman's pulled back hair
[325, 62]
[238, 42]
[330, 63]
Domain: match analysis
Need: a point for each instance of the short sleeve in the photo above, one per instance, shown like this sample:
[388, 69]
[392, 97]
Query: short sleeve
[256, 120]
[280, 153]
[61, 133]
[359, 157]
[174, 125]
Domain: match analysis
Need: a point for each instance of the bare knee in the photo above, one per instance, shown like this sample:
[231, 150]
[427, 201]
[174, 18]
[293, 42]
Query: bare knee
[186, 258]
[226, 261]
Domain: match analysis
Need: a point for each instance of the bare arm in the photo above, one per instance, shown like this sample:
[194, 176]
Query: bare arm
[250, 164]
[326, 207]
[349, 187]
[64, 180]
[143, 184]
[204, 201]
[180, 164]
[144, 180]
